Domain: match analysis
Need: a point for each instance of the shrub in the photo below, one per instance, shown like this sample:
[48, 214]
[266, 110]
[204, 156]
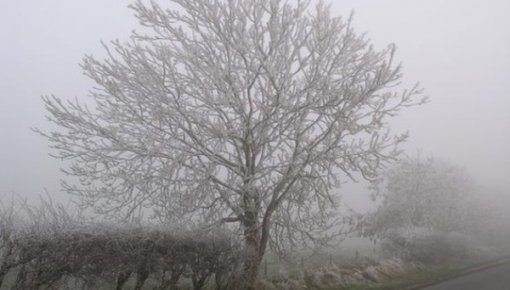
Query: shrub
[113, 254]
[424, 246]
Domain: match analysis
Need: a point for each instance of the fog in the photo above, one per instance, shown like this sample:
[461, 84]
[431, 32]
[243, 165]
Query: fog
[458, 51]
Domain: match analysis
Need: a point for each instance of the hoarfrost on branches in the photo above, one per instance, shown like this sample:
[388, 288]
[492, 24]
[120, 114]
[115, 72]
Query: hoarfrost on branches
[428, 194]
[232, 111]
[431, 211]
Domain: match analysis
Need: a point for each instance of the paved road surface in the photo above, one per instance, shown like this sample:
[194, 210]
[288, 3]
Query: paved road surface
[497, 278]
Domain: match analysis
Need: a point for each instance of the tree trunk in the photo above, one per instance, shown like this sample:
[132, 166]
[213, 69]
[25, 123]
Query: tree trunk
[254, 252]
[256, 237]
[251, 265]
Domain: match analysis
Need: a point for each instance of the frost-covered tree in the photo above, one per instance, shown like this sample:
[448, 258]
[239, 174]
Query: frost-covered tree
[427, 194]
[429, 212]
[232, 111]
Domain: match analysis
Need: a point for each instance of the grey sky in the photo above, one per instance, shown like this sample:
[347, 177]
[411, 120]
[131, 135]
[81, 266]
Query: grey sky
[459, 51]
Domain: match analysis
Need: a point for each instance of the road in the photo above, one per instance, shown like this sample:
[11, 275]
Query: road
[496, 278]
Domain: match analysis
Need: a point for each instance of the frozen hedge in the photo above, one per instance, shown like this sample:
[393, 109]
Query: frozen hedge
[49, 255]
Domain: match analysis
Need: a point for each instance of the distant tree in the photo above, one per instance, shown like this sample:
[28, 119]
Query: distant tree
[428, 193]
[232, 111]
[424, 202]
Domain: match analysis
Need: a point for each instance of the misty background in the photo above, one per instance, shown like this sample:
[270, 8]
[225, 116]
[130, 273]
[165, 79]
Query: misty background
[458, 50]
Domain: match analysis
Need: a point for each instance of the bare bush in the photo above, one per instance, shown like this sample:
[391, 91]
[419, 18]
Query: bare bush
[9, 235]
[425, 247]
[47, 248]
[116, 254]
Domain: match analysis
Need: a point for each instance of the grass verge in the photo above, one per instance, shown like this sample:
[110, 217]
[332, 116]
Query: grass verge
[428, 275]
